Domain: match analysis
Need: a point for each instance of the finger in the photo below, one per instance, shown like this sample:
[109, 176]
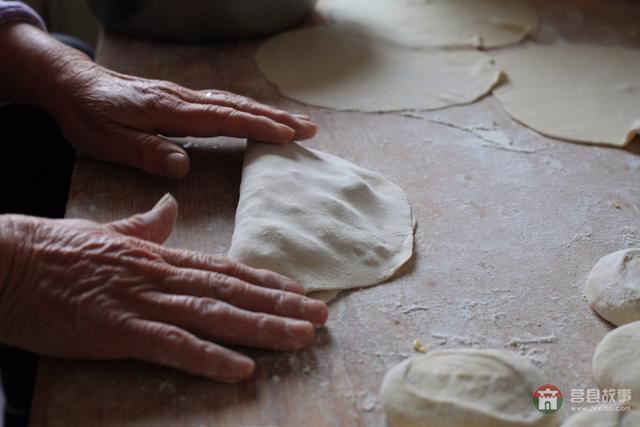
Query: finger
[198, 261]
[223, 322]
[205, 120]
[171, 346]
[154, 225]
[245, 295]
[302, 125]
[150, 153]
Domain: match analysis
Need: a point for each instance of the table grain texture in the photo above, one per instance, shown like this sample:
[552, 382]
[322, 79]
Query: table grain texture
[506, 237]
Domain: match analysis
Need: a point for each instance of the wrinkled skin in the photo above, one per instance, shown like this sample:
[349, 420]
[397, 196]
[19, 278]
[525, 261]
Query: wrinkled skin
[119, 118]
[79, 289]
[115, 117]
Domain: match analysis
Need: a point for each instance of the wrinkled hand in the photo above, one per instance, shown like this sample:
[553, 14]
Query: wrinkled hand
[79, 289]
[118, 118]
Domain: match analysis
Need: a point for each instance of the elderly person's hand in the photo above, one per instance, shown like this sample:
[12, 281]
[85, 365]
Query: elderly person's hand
[119, 118]
[74, 288]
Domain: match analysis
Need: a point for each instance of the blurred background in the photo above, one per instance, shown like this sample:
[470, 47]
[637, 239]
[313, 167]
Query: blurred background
[69, 17]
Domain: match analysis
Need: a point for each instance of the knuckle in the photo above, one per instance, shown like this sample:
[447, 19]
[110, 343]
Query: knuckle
[280, 302]
[222, 284]
[202, 307]
[261, 321]
[276, 280]
[223, 113]
[159, 95]
[227, 98]
[230, 267]
[223, 311]
[243, 103]
[147, 145]
[170, 336]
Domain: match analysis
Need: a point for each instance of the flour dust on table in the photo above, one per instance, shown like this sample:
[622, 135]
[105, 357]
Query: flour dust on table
[319, 219]
[335, 67]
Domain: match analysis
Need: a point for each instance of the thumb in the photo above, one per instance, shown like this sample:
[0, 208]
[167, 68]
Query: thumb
[155, 225]
[149, 152]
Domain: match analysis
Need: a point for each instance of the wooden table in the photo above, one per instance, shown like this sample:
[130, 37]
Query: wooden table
[504, 243]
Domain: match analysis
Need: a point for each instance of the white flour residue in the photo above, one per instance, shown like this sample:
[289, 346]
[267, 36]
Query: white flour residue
[536, 355]
[488, 135]
[367, 401]
[451, 339]
[630, 236]
[518, 342]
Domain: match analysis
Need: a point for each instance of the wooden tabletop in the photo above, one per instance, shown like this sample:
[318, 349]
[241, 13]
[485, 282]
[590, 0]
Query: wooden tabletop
[509, 225]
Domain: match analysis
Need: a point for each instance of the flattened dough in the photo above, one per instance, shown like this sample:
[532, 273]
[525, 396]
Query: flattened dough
[577, 92]
[464, 388]
[616, 361]
[319, 219]
[604, 419]
[613, 286]
[440, 23]
[334, 67]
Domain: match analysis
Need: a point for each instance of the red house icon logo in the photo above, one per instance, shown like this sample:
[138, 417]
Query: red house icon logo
[547, 398]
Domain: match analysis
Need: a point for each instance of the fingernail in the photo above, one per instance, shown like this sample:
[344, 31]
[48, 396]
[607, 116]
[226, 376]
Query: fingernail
[176, 164]
[241, 369]
[244, 366]
[317, 310]
[286, 132]
[301, 116]
[298, 328]
[164, 199]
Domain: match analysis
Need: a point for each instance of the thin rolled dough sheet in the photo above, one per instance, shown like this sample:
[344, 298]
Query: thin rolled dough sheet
[577, 92]
[334, 67]
[437, 23]
[319, 219]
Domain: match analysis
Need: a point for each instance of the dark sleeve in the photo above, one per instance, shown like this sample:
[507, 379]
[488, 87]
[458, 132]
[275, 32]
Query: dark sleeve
[16, 11]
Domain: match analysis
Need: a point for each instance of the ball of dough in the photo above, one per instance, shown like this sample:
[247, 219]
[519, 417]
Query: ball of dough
[604, 419]
[464, 388]
[616, 362]
[613, 287]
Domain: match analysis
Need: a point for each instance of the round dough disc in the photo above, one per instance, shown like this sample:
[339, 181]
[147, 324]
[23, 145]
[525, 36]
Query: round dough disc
[331, 66]
[609, 418]
[577, 92]
[464, 388]
[616, 362]
[441, 23]
[613, 286]
[319, 219]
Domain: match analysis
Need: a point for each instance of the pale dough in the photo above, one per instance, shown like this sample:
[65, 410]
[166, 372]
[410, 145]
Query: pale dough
[613, 286]
[442, 23]
[319, 219]
[334, 67]
[577, 92]
[616, 361]
[604, 419]
[464, 388]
